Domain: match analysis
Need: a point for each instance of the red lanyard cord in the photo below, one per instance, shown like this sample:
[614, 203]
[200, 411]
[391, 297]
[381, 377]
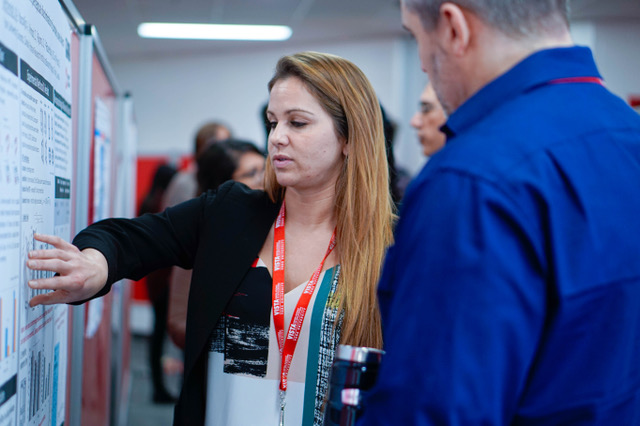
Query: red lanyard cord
[567, 80]
[288, 346]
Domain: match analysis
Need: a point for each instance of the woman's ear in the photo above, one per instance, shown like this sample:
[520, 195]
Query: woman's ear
[345, 148]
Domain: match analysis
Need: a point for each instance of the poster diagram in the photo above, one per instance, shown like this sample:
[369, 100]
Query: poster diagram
[35, 186]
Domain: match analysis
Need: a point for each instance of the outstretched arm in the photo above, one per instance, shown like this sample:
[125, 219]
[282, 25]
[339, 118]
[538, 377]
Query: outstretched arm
[80, 275]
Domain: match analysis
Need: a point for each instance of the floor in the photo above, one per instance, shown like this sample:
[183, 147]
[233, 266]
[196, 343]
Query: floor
[142, 410]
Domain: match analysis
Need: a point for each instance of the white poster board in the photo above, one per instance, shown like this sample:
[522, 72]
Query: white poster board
[36, 160]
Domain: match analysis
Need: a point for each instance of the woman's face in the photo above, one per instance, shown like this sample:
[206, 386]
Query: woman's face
[250, 170]
[304, 147]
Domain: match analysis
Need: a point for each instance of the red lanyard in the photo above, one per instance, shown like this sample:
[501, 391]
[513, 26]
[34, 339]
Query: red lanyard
[288, 346]
[566, 80]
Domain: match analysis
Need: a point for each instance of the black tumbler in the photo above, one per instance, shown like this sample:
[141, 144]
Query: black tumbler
[354, 372]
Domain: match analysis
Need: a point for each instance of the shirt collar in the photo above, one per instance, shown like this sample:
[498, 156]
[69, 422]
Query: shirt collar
[536, 70]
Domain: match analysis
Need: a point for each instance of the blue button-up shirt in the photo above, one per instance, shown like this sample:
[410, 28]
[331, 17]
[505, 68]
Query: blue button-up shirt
[512, 294]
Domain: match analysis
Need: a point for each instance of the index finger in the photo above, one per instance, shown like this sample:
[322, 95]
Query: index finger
[55, 241]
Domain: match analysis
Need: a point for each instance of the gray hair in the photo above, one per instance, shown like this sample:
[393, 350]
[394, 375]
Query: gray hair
[512, 17]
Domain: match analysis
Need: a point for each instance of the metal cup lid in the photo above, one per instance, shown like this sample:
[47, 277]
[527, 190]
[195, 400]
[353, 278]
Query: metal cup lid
[359, 354]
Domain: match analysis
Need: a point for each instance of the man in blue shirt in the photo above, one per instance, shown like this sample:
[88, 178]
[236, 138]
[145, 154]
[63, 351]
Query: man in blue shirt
[512, 294]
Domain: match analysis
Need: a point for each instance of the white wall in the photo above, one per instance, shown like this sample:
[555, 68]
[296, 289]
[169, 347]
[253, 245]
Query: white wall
[584, 34]
[617, 52]
[615, 46]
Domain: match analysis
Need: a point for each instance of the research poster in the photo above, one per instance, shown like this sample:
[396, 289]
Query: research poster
[36, 173]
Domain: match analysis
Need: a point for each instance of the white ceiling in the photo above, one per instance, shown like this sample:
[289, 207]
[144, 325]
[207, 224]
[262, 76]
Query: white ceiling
[311, 20]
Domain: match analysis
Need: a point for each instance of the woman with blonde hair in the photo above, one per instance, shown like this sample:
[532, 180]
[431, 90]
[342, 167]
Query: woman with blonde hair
[280, 276]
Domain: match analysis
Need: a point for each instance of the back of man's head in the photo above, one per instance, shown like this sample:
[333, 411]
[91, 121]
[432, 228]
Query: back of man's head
[516, 18]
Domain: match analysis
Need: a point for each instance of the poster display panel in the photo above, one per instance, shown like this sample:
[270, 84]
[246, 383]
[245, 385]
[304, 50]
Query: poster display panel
[36, 173]
[96, 372]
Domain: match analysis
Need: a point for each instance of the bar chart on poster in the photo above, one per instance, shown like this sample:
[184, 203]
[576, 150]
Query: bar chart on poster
[36, 173]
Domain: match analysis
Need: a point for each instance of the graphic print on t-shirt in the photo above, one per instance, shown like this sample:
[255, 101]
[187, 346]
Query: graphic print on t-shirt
[242, 333]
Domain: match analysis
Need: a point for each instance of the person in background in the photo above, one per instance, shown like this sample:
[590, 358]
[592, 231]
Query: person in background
[262, 115]
[152, 202]
[183, 187]
[185, 184]
[157, 283]
[398, 177]
[227, 160]
[280, 276]
[512, 293]
[232, 159]
[428, 120]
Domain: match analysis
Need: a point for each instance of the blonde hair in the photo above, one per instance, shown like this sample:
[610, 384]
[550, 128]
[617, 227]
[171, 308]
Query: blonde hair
[363, 208]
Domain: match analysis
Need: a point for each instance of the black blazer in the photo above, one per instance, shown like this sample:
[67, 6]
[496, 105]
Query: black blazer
[218, 234]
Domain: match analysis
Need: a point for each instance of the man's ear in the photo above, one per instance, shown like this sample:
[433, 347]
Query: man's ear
[454, 29]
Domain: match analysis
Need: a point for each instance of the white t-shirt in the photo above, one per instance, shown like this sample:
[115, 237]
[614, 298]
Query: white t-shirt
[244, 359]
